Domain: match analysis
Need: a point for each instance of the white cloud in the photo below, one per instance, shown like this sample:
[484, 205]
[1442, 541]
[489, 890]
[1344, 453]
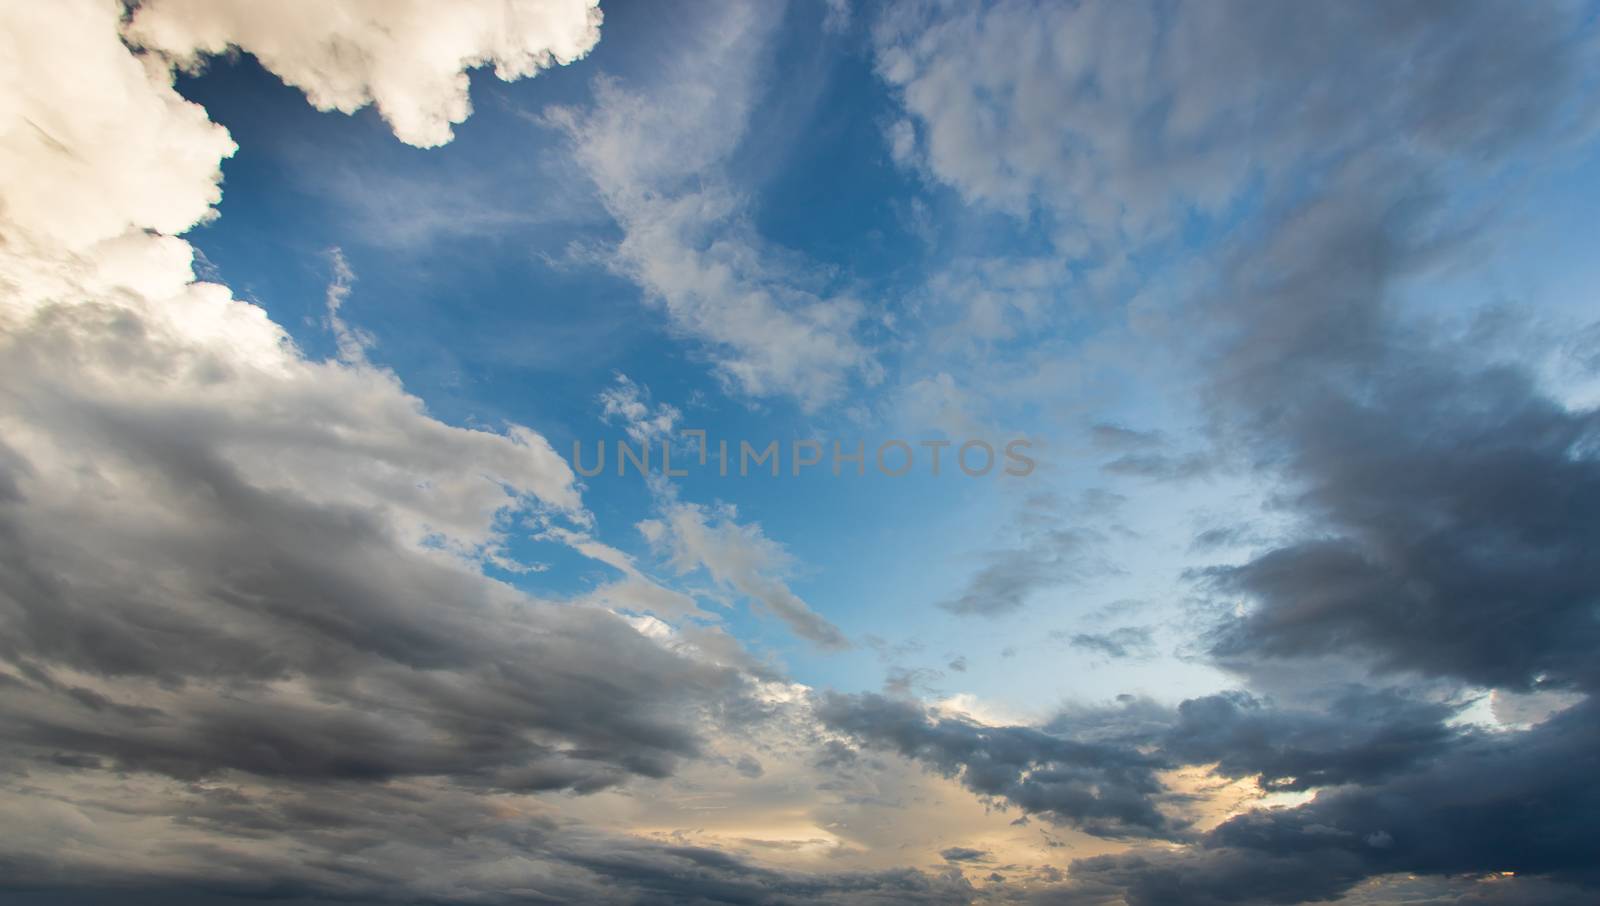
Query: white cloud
[1119, 119]
[657, 157]
[740, 557]
[999, 298]
[352, 342]
[93, 141]
[410, 58]
[634, 592]
[629, 404]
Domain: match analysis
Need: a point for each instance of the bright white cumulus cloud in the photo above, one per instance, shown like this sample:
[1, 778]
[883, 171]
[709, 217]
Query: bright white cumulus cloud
[408, 57]
[93, 140]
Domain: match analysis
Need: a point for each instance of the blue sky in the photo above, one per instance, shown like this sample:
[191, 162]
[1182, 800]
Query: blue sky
[305, 592]
[472, 279]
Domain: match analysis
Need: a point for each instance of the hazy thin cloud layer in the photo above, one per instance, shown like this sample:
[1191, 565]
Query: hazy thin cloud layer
[513, 452]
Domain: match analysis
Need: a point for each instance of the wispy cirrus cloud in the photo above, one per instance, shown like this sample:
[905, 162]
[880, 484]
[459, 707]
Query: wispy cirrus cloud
[657, 155]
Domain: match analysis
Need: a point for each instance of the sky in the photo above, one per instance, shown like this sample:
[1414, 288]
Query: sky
[1184, 473]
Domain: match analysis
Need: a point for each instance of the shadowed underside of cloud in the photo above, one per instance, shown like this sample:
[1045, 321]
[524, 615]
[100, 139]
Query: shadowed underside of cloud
[1400, 791]
[1448, 503]
[1465, 505]
[1098, 768]
[412, 844]
[1517, 803]
[1104, 789]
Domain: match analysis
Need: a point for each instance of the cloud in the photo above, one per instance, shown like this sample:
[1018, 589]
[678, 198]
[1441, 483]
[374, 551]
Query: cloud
[1160, 466]
[1355, 735]
[1103, 789]
[963, 854]
[316, 844]
[1128, 641]
[246, 627]
[1046, 552]
[635, 592]
[657, 157]
[222, 556]
[405, 57]
[909, 682]
[1446, 501]
[749, 766]
[997, 299]
[738, 557]
[1120, 438]
[1113, 121]
[249, 647]
[1399, 788]
[1104, 768]
[628, 403]
[69, 188]
[1512, 803]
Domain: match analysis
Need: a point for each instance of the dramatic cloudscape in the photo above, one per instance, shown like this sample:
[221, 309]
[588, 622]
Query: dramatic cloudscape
[509, 451]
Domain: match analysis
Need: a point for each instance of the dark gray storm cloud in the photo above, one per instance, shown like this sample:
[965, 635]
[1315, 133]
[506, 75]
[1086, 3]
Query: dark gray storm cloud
[633, 872]
[1464, 504]
[231, 595]
[1103, 788]
[1358, 735]
[1448, 501]
[1518, 803]
[1097, 768]
[1402, 789]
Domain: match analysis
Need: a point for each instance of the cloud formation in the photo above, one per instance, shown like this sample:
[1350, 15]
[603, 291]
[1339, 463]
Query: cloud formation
[1044, 550]
[249, 583]
[740, 558]
[1116, 119]
[1101, 788]
[1442, 499]
[1488, 805]
[656, 155]
[248, 647]
[409, 59]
